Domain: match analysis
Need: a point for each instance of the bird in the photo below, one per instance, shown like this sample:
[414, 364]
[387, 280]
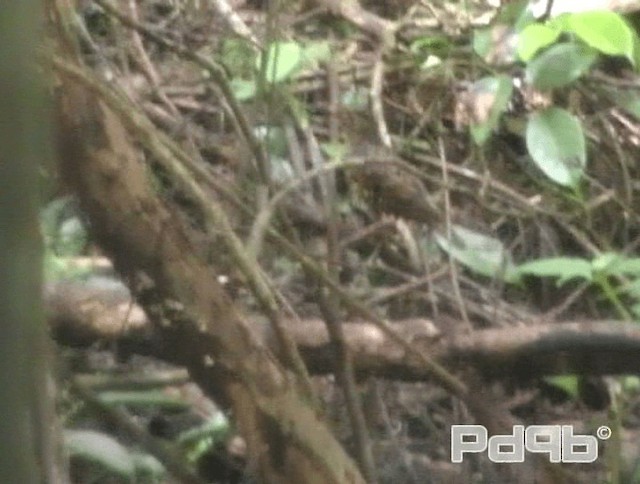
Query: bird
[389, 189]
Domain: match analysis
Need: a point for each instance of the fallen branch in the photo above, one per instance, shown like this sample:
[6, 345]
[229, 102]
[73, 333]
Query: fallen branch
[81, 314]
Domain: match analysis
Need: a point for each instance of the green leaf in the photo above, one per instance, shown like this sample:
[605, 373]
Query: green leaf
[567, 383]
[283, 60]
[563, 268]
[556, 143]
[534, 38]
[238, 56]
[603, 30]
[622, 265]
[142, 399]
[494, 94]
[605, 262]
[480, 253]
[560, 65]
[243, 90]
[101, 449]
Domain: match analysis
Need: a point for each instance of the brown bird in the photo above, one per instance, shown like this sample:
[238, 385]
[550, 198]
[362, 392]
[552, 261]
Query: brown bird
[392, 190]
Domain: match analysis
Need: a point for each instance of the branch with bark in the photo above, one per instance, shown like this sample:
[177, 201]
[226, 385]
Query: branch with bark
[81, 314]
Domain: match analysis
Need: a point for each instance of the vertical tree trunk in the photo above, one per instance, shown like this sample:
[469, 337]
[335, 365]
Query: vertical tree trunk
[288, 441]
[26, 443]
[26, 450]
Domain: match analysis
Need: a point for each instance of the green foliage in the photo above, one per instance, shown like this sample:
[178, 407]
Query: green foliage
[597, 271]
[605, 31]
[562, 268]
[430, 50]
[560, 65]
[282, 61]
[557, 53]
[567, 383]
[480, 253]
[108, 456]
[534, 38]
[142, 399]
[557, 145]
[200, 440]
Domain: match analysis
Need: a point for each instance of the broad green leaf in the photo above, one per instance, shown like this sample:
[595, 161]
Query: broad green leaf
[603, 30]
[560, 65]
[563, 268]
[283, 60]
[480, 253]
[534, 38]
[622, 265]
[556, 143]
[560, 22]
[492, 95]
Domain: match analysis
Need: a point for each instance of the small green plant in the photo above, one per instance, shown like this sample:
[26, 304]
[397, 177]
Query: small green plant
[600, 272]
[281, 61]
[556, 53]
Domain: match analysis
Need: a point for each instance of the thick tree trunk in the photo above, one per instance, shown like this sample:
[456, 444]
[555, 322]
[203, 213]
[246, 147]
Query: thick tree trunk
[27, 450]
[287, 440]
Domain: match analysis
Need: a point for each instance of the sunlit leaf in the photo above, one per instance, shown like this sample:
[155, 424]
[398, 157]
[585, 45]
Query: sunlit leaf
[603, 30]
[567, 383]
[557, 145]
[534, 38]
[283, 59]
